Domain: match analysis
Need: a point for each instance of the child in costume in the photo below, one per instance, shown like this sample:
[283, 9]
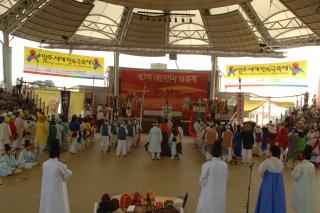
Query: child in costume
[19, 123]
[26, 158]
[10, 159]
[105, 137]
[122, 140]
[74, 143]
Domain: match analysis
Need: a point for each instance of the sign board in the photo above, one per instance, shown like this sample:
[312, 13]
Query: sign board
[45, 62]
[294, 69]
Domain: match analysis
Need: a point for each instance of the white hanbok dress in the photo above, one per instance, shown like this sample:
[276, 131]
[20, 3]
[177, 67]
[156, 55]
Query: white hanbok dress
[54, 195]
[303, 195]
[213, 183]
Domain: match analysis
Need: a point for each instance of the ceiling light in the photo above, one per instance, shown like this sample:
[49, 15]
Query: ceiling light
[182, 20]
[190, 20]
[175, 20]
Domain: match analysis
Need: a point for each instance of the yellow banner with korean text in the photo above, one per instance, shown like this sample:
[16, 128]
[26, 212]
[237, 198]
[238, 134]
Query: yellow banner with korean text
[293, 69]
[40, 61]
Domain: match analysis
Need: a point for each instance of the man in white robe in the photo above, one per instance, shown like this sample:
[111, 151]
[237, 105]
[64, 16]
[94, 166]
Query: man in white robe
[155, 139]
[303, 195]
[213, 183]
[54, 195]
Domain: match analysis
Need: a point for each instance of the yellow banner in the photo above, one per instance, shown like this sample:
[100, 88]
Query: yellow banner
[61, 63]
[76, 103]
[294, 69]
[52, 99]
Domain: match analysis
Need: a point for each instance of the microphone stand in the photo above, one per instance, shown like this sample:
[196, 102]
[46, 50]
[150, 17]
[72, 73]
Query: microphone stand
[249, 188]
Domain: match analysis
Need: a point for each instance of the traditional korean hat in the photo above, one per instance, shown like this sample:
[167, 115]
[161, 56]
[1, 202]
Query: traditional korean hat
[155, 123]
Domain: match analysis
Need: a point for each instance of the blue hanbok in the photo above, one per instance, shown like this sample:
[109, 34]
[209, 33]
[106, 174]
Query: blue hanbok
[237, 143]
[271, 198]
[26, 159]
[5, 170]
[10, 160]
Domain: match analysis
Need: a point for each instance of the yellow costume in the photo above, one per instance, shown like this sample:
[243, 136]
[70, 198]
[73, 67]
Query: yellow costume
[41, 131]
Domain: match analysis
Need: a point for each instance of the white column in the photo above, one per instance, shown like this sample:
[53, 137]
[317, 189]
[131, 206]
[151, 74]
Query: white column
[213, 76]
[6, 56]
[116, 74]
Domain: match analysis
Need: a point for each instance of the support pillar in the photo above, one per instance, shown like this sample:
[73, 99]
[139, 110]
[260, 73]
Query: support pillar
[116, 74]
[6, 56]
[213, 76]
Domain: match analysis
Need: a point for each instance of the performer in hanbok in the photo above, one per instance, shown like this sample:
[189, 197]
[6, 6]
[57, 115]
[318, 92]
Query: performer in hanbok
[105, 137]
[314, 142]
[41, 135]
[272, 135]
[5, 133]
[271, 198]
[303, 195]
[282, 138]
[155, 139]
[27, 159]
[52, 133]
[54, 196]
[74, 145]
[247, 143]
[59, 128]
[166, 132]
[122, 140]
[258, 136]
[10, 159]
[293, 140]
[5, 163]
[237, 142]
[131, 135]
[227, 137]
[19, 123]
[213, 183]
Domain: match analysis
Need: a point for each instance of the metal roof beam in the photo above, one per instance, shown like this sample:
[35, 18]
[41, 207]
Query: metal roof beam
[252, 15]
[178, 50]
[123, 25]
[19, 13]
[203, 14]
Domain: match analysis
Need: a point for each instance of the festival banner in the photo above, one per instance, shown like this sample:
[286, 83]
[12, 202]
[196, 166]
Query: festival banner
[65, 103]
[240, 107]
[294, 70]
[45, 62]
[177, 90]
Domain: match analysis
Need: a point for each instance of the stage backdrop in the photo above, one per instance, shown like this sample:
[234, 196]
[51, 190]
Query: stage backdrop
[44, 62]
[181, 89]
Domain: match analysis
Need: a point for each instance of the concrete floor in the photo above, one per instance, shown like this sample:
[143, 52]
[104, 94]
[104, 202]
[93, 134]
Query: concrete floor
[95, 174]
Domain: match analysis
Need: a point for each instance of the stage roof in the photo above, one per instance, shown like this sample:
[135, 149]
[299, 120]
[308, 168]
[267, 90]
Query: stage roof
[153, 28]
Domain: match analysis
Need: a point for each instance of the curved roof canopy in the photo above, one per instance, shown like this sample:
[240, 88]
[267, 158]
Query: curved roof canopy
[154, 28]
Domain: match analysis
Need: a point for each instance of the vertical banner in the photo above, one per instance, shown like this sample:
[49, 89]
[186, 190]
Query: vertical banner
[240, 107]
[65, 103]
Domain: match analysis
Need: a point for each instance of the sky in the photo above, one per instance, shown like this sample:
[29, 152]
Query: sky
[184, 62]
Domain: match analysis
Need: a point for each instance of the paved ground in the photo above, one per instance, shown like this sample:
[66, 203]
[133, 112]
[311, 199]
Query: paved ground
[95, 174]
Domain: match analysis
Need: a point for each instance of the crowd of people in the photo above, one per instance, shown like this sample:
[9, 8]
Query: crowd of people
[296, 138]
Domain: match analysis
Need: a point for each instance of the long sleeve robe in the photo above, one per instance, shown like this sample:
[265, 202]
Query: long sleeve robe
[213, 183]
[303, 195]
[54, 196]
[155, 139]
